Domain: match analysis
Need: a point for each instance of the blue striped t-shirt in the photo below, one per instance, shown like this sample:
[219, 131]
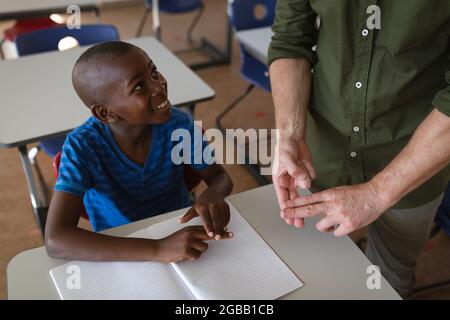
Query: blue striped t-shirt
[115, 189]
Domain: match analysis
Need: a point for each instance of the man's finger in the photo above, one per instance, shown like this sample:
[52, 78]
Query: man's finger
[293, 193]
[299, 223]
[299, 173]
[281, 191]
[306, 200]
[191, 213]
[305, 211]
[342, 230]
[290, 221]
[309, 166]
[326, 223]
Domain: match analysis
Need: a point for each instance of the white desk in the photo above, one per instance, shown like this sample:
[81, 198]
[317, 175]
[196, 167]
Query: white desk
[21, 9]
[330, 268]
[256, 41]
[37, 98]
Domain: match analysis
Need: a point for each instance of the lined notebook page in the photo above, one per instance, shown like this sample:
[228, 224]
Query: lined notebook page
[244, 267]
[121, 280]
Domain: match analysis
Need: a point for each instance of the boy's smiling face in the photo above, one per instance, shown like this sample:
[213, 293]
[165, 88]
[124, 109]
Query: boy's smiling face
[131, 90]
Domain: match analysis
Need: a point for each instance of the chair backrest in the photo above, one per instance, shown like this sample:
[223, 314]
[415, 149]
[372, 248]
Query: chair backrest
[27, 25]
[48, 39]
[249, 14]
[177, 6]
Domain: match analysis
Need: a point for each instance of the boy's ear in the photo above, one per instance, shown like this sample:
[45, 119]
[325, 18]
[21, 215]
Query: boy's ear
[103, 114]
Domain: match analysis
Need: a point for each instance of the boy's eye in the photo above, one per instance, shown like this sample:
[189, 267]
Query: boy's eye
[154, 74]
[139, 87]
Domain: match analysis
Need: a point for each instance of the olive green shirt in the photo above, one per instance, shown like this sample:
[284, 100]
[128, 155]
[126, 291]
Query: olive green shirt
[371, 87]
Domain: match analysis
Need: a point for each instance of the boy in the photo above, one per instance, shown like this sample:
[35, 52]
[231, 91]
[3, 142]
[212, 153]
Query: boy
[119, 164]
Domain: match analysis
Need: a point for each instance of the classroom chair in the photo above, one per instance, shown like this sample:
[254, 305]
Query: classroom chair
[174, 7]
[8, 48]
[191, 178]
[243, 15]
[48, 39]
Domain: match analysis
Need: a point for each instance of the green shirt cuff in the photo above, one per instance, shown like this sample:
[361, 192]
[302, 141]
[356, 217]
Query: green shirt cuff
[279, 50]
[442, 101]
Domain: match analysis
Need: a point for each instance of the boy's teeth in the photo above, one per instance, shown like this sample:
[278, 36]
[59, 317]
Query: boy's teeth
[162, 105]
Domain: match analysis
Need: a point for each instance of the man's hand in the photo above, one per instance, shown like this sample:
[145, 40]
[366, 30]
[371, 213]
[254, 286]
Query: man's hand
[348, 207]
[214, 212]
[292, 167]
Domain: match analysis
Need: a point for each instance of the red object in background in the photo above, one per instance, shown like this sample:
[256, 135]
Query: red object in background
[27, 25]
[260, 114]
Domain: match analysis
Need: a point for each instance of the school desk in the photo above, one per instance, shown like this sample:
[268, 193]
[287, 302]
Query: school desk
[330, 267]
[23, 9]
[256, 41]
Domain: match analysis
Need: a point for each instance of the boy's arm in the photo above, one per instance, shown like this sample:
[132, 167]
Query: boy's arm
[64, 240]
[217, 179]
[210, 205]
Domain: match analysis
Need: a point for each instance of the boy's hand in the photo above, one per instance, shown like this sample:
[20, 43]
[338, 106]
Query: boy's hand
[215, 214]
[185, 244]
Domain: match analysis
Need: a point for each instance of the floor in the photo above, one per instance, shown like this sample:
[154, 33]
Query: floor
[17, 225]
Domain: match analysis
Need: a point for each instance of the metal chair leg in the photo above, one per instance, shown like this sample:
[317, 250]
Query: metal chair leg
[32, 154]
[2, 55]
[40, 208]
[97, 14]
[194, 24]
[232, 106]
[142, 23]
[254, 169]
[193, 45]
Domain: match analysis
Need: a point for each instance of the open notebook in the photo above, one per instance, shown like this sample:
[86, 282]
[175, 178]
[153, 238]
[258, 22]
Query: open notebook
[244, 267]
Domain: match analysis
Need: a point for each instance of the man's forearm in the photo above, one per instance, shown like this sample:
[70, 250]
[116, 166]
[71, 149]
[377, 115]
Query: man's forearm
[427, 153]
[291, 87]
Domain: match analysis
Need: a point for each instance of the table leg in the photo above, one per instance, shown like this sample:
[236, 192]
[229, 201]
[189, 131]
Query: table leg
[40, 209]
[2, 56]
[156, 25]
[218, 57]
[97, 14]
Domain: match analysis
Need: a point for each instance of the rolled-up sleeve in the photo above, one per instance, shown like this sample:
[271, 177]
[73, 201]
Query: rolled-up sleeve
[294, 31]
[441, 100]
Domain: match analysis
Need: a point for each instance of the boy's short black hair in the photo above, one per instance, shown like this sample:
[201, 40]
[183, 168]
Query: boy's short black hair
[86, 67]
[111, 49]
